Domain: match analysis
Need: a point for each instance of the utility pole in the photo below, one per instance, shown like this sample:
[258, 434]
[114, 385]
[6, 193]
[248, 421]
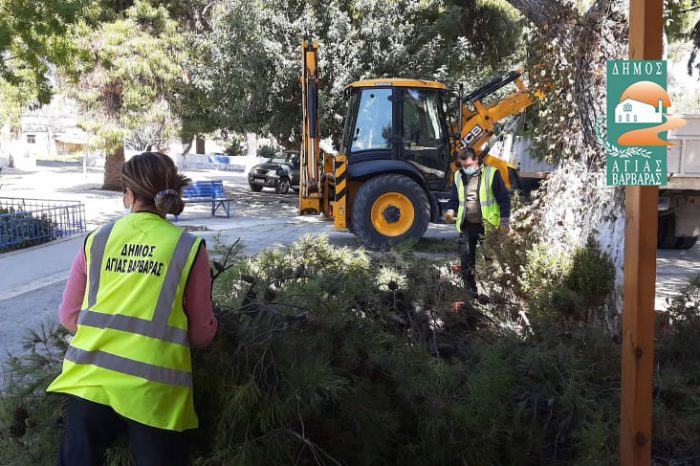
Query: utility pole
[638, 318]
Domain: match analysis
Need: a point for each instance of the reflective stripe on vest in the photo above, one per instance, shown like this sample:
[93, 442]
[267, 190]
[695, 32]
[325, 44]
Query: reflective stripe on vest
[129, 366]
[490, 210]
[97, 252]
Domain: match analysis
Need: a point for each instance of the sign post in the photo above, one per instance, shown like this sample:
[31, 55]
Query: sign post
[645, 35]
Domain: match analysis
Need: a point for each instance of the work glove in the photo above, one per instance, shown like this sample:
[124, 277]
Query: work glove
[505, 225]
[449, 216]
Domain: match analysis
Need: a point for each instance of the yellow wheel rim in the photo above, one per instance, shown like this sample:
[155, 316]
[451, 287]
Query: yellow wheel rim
[392, 214]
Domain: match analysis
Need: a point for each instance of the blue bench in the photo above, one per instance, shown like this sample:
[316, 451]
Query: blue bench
[217, 160]
[208, 191]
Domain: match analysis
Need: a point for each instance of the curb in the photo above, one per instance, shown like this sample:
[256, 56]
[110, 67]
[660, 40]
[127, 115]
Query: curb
[53, 242]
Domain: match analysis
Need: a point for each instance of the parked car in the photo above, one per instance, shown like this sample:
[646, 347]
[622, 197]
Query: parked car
[280, 172]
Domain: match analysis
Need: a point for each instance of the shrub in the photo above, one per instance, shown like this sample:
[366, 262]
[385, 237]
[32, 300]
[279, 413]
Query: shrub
[20, 229]
[676, 395]
[237, 147]
[545, 269]
[569, 285]
[267, 152]
[501, 262]
[592, 275]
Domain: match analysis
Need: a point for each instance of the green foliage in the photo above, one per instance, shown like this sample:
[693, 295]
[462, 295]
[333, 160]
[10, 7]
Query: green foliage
[519, 271]
[545, 269]
[236, 146]
[554, 123]
[676, 384]
[570, 285]
[592, 275]
[679, 18]
[30, 420]
[319, 352]
[256, 87]
[16, 98]
[501, 262]
[33, 35]
[266, 152]
[134, 61]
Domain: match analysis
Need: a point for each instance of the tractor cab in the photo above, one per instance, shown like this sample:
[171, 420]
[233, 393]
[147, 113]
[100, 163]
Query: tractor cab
[398, 120]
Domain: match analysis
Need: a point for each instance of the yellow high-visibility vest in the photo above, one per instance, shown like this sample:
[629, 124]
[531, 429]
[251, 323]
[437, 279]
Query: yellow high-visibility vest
[490, 210]
[131, 350]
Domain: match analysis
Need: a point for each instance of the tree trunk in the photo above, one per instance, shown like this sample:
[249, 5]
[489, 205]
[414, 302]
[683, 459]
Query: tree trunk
[575, 205]
[540, 12]
[289, 145]
[113, 166]
[200, 149]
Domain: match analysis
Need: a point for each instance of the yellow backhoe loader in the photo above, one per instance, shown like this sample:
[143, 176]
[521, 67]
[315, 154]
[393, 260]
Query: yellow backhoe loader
[398, 151]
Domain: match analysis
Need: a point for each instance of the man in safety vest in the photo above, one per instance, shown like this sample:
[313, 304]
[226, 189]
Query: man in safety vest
[482, 202]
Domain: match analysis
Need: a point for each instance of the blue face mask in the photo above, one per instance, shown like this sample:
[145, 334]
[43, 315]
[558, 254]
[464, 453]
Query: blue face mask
[470, 170]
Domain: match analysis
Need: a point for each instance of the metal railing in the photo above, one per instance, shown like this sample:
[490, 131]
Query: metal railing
[28, 222]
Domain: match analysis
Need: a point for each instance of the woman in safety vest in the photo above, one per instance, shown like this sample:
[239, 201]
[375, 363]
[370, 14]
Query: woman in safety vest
[138, 296]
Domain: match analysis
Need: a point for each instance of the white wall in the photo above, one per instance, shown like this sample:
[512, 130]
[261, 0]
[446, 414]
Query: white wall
[201, 162]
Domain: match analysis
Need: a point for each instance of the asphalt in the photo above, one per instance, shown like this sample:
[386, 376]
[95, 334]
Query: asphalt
[27, 312]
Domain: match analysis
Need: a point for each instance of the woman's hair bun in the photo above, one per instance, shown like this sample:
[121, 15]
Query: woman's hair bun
[169, 202]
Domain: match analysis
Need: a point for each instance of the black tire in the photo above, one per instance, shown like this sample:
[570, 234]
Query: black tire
[667, 232]
[686, 242]
[256, 187]
[361, 223]
[282, 186]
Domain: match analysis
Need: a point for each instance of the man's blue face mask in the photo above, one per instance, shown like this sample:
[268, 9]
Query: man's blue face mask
[470, 170]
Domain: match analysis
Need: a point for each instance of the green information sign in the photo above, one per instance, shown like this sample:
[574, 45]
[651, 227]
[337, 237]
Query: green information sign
[637, 123]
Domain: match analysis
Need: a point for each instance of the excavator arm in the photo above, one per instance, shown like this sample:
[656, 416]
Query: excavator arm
[322, 176]
[480, 122]
[310, 185]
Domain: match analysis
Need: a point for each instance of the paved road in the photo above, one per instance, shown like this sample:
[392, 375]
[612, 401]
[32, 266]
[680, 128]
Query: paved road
[27, 311]
[673, 268]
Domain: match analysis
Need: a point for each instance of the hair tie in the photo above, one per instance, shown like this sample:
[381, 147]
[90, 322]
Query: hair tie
[167, 192]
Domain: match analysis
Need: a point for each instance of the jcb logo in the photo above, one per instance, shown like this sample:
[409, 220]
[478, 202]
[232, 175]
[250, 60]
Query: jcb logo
[471, 135]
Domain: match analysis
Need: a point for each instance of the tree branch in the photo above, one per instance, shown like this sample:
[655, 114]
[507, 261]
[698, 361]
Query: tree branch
[697, 7]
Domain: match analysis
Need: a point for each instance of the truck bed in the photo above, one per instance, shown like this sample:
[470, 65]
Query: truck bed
[684, 156]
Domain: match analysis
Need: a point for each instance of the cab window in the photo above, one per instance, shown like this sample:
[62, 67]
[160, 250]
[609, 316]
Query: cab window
[373, 128]
[424, 141]
[421, 119]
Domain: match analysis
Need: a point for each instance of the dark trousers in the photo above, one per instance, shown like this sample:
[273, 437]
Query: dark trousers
[91, 428]
[469, 238]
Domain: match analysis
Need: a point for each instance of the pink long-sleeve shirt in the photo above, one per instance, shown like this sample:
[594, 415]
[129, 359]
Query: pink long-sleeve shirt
[197, 299]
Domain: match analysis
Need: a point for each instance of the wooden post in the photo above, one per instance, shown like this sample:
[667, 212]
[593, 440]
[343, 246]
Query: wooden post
[646, 34]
